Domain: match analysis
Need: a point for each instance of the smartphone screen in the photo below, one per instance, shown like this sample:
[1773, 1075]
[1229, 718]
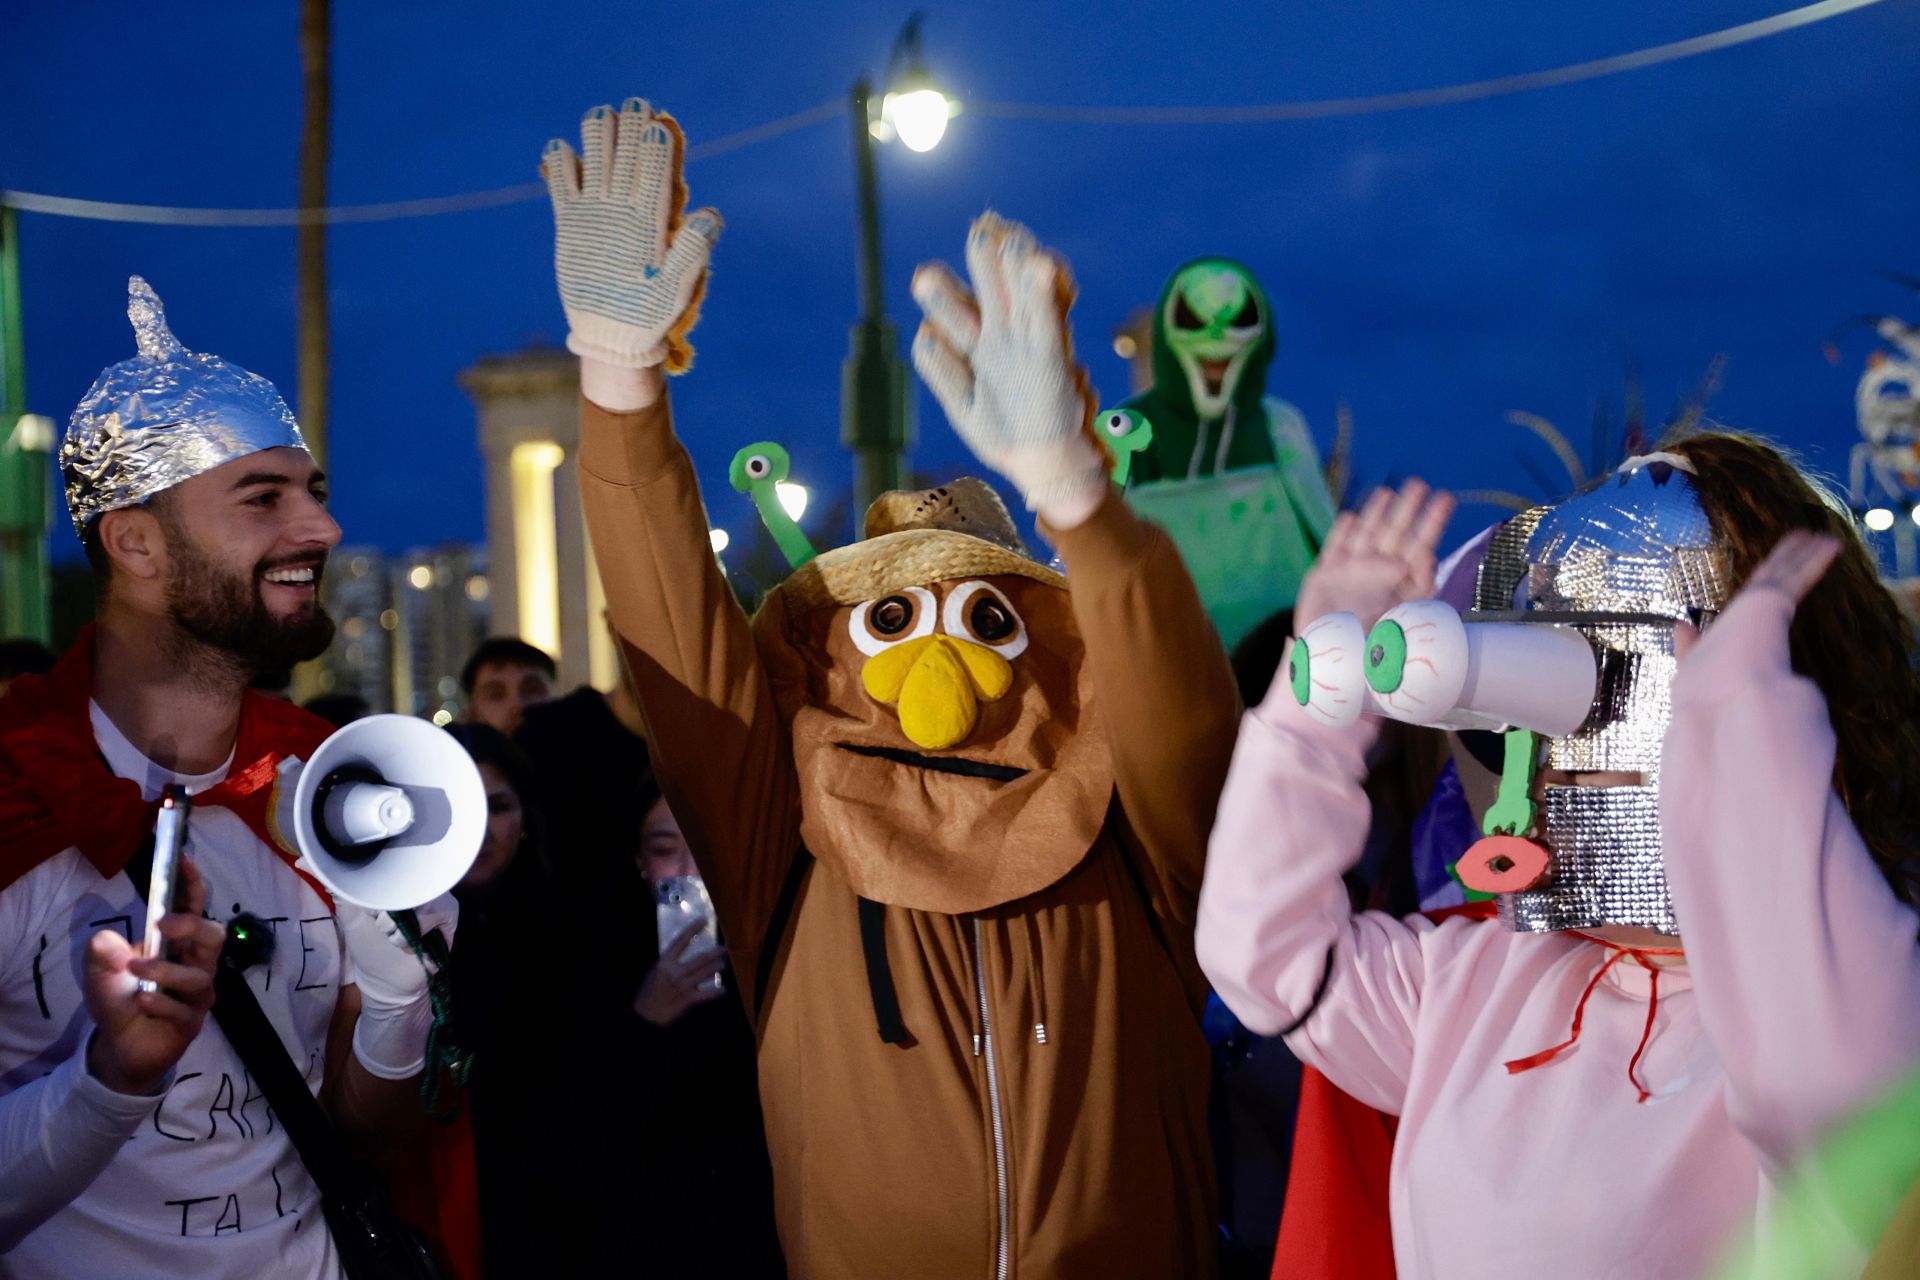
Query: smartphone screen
[169, 835]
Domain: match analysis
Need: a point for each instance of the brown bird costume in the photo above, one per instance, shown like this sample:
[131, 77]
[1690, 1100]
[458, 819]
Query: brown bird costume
[952, 812]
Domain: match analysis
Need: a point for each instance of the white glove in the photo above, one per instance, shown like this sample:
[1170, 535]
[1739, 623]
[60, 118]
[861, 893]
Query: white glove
[1002, 367]
[390, 1039]
[631, 271]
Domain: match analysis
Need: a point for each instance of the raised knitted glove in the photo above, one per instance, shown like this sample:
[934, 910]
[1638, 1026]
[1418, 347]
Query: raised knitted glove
[632, 270]
[396, 1014]
[999, 359]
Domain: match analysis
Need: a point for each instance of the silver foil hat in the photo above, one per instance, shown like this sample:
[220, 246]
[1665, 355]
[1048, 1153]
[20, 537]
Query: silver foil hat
[164, 416]
[1620, 562]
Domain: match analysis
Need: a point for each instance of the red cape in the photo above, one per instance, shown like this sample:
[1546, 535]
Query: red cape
[56, 790]
[1336, 1224]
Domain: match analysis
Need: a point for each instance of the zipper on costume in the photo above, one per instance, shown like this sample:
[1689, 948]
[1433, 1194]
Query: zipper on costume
[993, 1100]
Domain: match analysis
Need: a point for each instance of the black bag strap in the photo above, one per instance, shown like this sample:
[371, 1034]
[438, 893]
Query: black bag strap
[777, 925]
[265, 1057]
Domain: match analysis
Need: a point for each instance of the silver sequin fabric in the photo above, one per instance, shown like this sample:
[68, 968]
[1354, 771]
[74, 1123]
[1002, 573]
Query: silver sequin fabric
[1607, 867]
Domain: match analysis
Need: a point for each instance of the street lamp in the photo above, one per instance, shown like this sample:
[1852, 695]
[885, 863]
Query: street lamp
[873, 422]
[793, 498]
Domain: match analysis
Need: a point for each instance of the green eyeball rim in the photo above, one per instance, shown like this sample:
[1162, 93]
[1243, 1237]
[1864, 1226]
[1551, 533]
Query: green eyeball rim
[1386, 656]
[1299, 672]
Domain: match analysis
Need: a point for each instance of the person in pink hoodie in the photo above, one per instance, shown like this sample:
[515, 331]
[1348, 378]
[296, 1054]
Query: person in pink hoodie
[1715, 960]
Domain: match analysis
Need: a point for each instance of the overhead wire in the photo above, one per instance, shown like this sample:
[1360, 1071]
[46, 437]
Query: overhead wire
[335, 215]
[1267, 113]
[1445, 95]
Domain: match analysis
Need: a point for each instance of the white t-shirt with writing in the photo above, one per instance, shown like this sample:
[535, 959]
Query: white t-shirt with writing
[208, 1186]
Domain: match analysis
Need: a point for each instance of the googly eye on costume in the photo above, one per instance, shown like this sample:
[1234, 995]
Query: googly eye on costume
[758, 466]
[1326, 667]
[1417, 661]
[878, 625]
[1428, 665]
[977, 611]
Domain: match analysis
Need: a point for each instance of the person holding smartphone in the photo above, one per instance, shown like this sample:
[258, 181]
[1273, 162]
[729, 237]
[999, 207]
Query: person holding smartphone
[131, 1140]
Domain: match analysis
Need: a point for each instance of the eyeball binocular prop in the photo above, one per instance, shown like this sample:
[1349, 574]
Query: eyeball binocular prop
[1424, 664]
[1569, 654]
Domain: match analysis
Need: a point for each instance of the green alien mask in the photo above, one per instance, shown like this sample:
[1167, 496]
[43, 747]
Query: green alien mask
[1215, 319]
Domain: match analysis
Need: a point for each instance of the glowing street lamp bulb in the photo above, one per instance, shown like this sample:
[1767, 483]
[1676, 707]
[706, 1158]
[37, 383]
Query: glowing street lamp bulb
[719, 539]
[919, 117]
[1915, 513]
[1879, 519]
[793, 497]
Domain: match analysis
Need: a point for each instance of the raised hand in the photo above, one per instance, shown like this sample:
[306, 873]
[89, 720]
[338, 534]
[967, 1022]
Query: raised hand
[681, 979]
[1377, 557]
[999, 359]
[632, 270]
[140, 1035]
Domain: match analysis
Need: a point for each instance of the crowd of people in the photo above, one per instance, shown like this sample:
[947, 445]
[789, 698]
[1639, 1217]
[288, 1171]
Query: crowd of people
[1546, 909]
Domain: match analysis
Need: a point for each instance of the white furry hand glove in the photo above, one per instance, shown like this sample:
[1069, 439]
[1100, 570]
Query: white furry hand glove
[999, 359]
[396, 1015]
[632, 271]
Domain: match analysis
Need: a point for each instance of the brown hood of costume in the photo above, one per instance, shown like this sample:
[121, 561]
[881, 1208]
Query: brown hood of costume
[914, 835]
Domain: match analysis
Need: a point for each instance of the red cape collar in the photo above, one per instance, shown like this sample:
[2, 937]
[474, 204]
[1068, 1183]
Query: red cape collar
[57, 792]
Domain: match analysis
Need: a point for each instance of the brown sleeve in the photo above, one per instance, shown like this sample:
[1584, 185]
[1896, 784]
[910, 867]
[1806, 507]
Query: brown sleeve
[718, 744]
[1164, 689]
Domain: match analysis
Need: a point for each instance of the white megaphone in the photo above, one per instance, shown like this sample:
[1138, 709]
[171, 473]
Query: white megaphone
[389, 813]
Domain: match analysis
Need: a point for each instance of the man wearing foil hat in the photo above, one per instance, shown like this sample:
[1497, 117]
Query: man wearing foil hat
[1699, 951]
[133, 1140]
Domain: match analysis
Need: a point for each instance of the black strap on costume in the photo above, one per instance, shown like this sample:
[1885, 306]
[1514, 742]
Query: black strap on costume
[873, 944]
[886, 1002]
[777, 925]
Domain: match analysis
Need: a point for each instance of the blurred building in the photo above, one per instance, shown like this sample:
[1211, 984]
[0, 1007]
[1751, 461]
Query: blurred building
[440, 603]
[544, 585]
[360, 598]
[405, 625]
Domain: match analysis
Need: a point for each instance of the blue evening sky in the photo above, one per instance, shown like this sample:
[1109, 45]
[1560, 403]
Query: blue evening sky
[1434, 268]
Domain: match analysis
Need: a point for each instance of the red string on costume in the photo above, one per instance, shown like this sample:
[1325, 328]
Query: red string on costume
[1639, 956]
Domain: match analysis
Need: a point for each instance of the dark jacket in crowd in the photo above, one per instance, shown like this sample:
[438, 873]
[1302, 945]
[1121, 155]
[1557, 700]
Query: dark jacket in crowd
[665, 1163]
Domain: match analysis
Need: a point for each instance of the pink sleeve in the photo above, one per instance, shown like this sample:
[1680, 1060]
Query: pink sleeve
[1804, 964]
[1292, 818]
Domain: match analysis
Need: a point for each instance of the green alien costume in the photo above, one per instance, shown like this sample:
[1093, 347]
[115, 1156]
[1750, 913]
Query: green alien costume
[1230, 472]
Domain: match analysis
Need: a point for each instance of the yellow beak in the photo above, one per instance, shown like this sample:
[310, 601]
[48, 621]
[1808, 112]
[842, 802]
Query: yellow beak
[939, 683]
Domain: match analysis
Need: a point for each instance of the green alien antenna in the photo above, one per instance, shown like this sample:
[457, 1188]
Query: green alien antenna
[1126, 432]
[758, 470]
